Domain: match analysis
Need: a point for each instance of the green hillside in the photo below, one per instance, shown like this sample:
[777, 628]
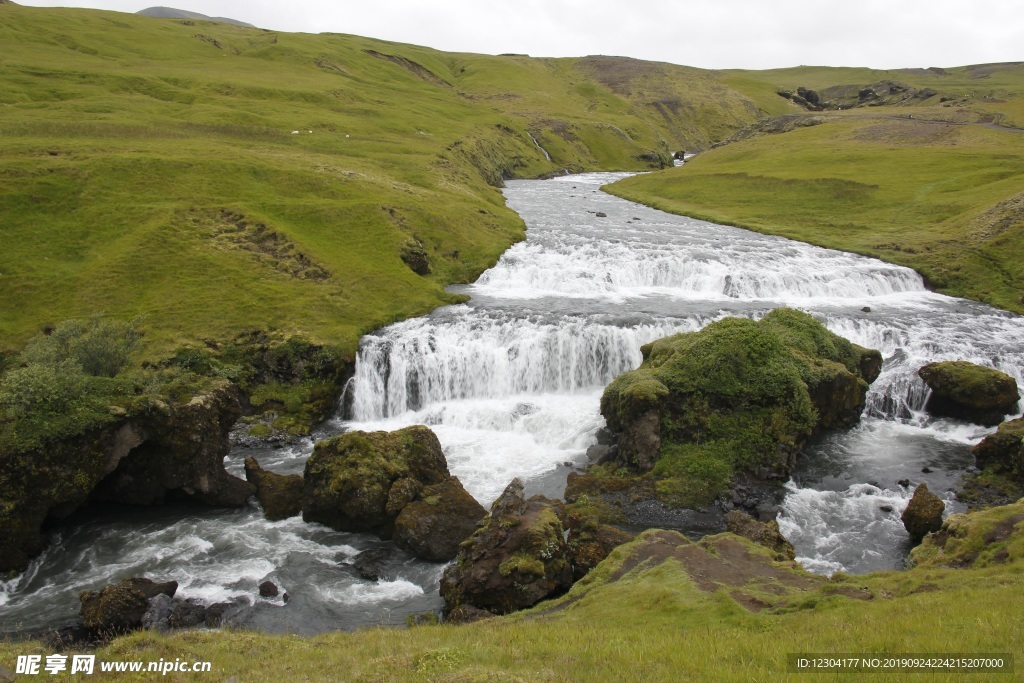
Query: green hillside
[943, 198]
[219, 179]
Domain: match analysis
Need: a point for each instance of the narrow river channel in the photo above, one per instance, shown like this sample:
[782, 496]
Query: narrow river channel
[511, 382]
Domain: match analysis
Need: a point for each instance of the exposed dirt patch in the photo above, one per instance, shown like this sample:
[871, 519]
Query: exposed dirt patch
[232, 230]
[1005, 215]
[1002, 531]
[412, 67]
[724, 562]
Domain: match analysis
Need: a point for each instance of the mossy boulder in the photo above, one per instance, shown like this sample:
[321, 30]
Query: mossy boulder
[516, 559]
[120, 607]
[766, 534]
[969, 392]
[1003, 452]
[140, 457]
[433, 526]
[279, 494]
[393, 484]
[977, 539]
[923, 513]
[739, 396]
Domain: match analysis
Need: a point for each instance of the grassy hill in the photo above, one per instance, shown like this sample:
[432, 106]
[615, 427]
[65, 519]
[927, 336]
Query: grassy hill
[219, 178]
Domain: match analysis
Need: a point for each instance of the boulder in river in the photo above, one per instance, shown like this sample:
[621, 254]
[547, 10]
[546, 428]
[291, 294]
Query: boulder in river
[279, 494]
[969, 392]
[516, 559]
[393, 484]
[443, 516]
[738, 397]
[923, 514]
[1003, 451]
[120, 607]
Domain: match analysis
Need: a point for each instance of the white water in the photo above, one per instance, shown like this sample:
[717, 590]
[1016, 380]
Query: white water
[511, 384]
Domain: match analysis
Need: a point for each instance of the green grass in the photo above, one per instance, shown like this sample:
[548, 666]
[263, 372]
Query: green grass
[944, 199]
[124, 139]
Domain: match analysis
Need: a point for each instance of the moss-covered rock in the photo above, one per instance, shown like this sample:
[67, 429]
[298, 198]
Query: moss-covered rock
[516, 559]
[923, 513]
[766, 534]
[120, 607]
[361, 481]
[977, 539]
[279, 494]
[589, 540]
[433, 526]
[739, 396]
[1003, 452]
[139, 457]
[969, 392]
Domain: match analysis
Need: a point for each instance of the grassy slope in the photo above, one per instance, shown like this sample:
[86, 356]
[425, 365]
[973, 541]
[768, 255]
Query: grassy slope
[123, 138]
[938, 197]
[652, 624]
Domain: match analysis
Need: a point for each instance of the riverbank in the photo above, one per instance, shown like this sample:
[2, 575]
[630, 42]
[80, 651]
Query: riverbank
[940, 197]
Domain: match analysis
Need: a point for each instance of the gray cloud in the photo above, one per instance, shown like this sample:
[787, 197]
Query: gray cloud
[751, 34]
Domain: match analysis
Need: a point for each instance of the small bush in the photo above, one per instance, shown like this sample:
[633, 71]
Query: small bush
[101, 348]
[42, 387]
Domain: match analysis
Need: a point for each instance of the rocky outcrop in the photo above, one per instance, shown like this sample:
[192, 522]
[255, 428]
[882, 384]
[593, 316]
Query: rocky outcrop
[279, 494]
[516, 559]
[969, 392]
[1003, 452]
[415, 256]
[158, 450]
[976, 539]
[393, 484]
[433, 526]
[590, 541]
[766, 534]
[923, 513]
[880, 93]
[120, 607]
[738, 397]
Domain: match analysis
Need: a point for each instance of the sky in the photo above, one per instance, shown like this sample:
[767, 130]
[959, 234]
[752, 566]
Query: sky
[711, 34]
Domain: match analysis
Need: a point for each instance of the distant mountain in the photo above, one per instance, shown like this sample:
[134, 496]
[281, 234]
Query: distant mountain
[171, 13]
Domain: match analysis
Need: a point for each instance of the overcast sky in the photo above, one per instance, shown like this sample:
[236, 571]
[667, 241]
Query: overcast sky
[751, 34]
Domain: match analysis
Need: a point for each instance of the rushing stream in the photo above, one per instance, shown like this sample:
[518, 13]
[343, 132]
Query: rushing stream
[511, 381]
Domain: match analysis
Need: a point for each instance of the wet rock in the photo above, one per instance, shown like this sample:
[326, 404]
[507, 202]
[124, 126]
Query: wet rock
[188, 613]
[370, 564]
[432, 527]
[601, 214]
[158, 613]
[923, 514]
[516, 559]
[157, 450]
[590, 541]
[886, 508]
[224, 613]
[119, 607]
[866, 309]
[269, 589]
[905, 483]
[349, 478]
[279, 494]
[969, 392]
[1003, 451]
[766, 534]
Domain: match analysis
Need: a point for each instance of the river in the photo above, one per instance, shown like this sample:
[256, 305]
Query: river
[511, 382]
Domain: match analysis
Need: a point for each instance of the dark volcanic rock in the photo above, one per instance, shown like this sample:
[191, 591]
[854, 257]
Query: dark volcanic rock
[349, 479]
[516, 559]
[432, 527]
[590, 542]
[120, 607]
[370, 563]
[269, 589]
[969, 392]
[188, 613]
[1003, 452]
[415, 256]
[923, 514]
[159, 450]
[279, 494]
[762, 533]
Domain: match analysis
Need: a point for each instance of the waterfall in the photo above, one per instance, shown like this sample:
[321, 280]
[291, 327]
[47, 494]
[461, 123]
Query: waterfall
[546, 155]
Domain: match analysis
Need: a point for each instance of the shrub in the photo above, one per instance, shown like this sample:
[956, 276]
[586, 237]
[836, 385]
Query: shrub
[41, 387]
[101, 348]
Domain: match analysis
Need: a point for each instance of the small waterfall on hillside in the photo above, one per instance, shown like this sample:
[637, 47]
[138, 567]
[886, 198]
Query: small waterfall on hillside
[546, 155]
[511, 383]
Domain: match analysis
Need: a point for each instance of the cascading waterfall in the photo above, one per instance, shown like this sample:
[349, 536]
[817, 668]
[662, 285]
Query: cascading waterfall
[511, 383]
